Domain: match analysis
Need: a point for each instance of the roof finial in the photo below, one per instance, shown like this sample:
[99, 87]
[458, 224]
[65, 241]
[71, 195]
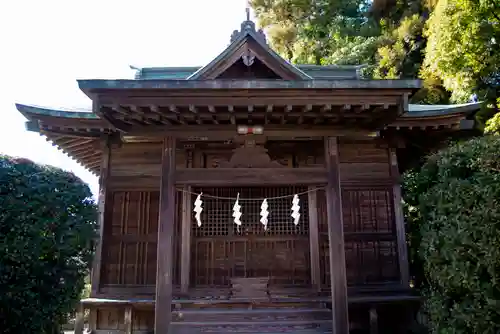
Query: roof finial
[247, 9]
[248, 27]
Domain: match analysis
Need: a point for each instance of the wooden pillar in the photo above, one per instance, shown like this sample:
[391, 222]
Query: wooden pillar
[103, 180]
[399, 220]
[79, 320]
[163, 304]
[128, 320]
[93, 318]
[186, 239]
[373, 320]
[336, 239]
[314, 239]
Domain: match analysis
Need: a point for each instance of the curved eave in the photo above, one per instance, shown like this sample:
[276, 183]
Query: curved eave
[420, 110]
[76, 133]
[438, 116]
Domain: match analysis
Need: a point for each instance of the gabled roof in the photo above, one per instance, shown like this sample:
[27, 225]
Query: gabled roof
[318, 72]
[249, 44]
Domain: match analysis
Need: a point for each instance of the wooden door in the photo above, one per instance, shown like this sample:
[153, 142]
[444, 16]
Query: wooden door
[221, 250]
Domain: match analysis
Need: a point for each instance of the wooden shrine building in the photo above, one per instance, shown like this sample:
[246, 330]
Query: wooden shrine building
[248, 126]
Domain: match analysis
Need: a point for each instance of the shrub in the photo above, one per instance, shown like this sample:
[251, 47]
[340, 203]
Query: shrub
[47, 224]
[452, 206]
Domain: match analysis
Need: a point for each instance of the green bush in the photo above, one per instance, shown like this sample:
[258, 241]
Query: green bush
[452, 206]
[47, 224]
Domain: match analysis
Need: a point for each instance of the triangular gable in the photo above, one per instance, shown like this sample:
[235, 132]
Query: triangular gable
[249, 48]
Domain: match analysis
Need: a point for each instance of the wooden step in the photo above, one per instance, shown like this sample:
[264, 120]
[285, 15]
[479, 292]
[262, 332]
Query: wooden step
[245, 303]
[242, 315]
[268, 328]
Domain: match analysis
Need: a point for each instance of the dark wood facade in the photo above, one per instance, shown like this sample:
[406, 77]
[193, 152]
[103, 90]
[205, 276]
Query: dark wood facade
[363, 214]
[155, 144]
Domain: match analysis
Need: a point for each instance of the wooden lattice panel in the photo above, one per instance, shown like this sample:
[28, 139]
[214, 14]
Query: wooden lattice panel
[130, 239]
[220, 251]
[217, 215]
[367, 211]
[369, 236]
[372, 261]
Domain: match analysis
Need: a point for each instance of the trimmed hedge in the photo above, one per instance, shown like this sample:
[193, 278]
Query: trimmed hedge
[47, 224]
[452, 207]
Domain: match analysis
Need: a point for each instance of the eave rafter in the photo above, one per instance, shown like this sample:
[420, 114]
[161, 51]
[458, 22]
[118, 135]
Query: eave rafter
[86, 151]
[208, 114]
[265, 107]
[77, 134]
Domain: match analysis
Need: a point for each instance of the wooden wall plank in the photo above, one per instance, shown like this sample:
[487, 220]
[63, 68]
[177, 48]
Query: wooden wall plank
[250, 176]
[399, 220]
[165, 261]
[314, 239]
[130, 239]
[103, 183]
[336, 239]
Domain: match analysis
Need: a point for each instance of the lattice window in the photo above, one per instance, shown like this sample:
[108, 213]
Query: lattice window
[367, 210]
[217, 216]
[220, 252]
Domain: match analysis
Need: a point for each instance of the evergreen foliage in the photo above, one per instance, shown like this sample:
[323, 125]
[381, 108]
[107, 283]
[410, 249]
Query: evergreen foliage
[47, 224]
[452, 206]
[453, 45]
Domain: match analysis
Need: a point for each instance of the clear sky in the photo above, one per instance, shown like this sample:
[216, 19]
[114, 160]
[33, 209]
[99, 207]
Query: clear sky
[47, 45]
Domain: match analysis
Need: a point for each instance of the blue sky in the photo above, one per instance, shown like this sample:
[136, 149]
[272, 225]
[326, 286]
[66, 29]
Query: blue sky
[47, 45]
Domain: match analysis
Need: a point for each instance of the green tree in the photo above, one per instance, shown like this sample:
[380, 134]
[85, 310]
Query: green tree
[385, 35]
[493, 124]
[463, 49]
[452, 207]
[305, 31]
[47, 224]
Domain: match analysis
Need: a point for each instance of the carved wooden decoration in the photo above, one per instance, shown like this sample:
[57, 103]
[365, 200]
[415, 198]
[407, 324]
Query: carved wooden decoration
[250, 155]
[248, 57]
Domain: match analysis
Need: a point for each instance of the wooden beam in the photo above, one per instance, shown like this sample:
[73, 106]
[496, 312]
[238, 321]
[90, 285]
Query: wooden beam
[101, 220]
[336, 239]
[314, 239]
[235, 100]
[163, 308]
[219, 132]
[250, 176]
[399, 220]
[185, 239]
[114, 124]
